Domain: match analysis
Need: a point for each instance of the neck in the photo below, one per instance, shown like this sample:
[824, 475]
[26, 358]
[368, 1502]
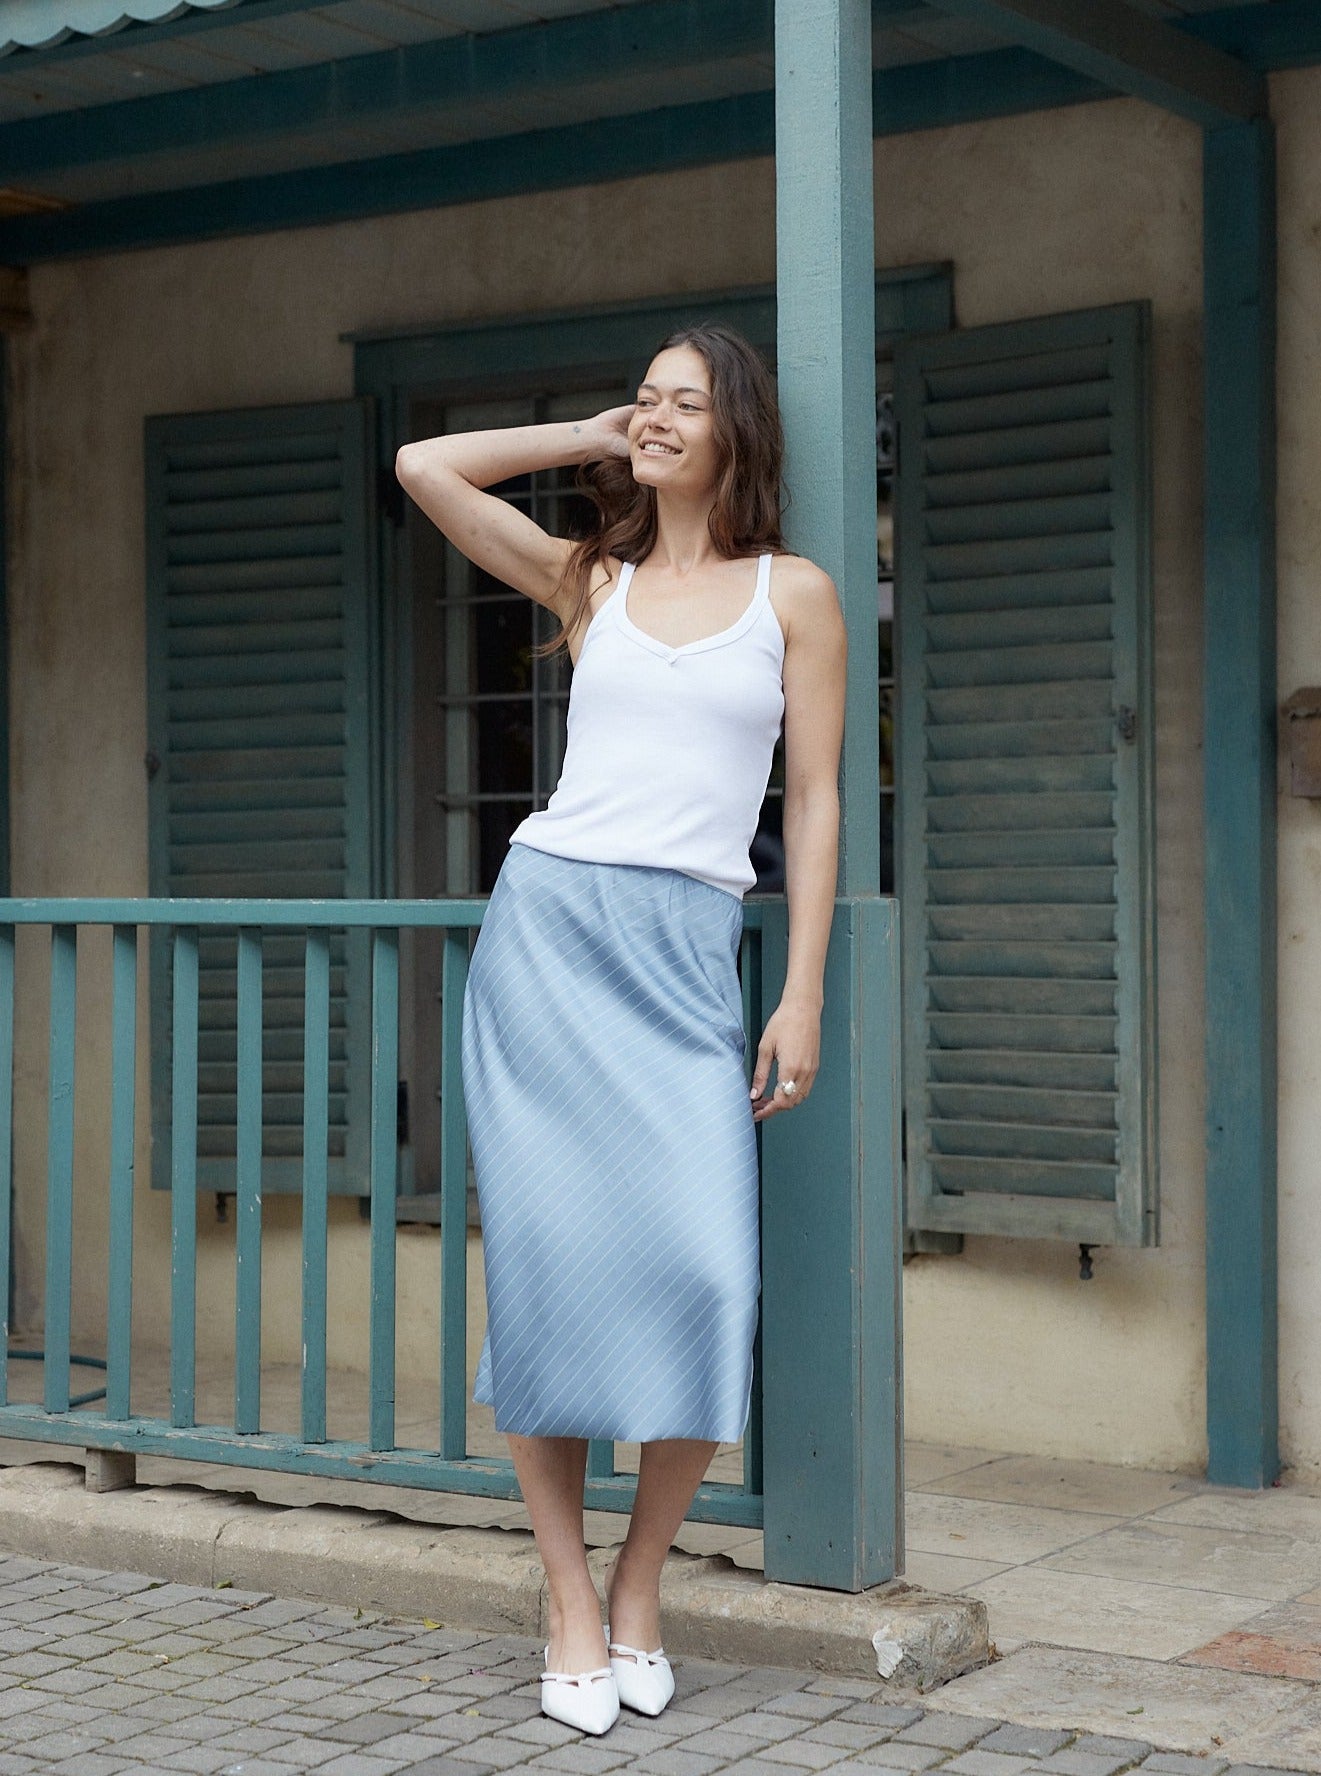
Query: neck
[683, 535]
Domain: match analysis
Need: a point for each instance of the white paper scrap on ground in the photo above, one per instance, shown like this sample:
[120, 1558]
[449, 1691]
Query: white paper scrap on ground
[889, 1651]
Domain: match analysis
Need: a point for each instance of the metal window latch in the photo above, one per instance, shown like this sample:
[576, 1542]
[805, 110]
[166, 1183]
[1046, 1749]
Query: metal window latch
[1128, 724]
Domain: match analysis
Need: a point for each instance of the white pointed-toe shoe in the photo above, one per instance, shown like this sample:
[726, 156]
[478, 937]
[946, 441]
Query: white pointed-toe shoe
[644, 1681]
[588, 1700]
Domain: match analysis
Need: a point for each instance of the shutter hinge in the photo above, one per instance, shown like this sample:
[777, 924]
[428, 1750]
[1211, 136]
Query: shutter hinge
[390, 496]
[1128, 724]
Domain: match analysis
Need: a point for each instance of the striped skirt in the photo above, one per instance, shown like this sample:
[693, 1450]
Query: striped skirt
[614, 1150]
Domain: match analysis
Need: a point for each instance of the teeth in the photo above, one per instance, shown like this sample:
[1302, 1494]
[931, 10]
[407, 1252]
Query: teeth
[660, 449]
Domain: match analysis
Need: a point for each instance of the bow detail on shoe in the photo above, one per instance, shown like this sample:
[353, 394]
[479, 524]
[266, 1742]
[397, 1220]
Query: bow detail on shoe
[588, 1700]
[644, 1680]
[636, 1654]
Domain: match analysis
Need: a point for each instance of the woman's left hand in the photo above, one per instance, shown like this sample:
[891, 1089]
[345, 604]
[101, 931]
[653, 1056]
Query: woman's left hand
[792, 1038]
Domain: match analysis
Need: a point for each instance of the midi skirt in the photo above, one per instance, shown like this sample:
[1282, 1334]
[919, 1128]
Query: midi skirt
[615, 1152]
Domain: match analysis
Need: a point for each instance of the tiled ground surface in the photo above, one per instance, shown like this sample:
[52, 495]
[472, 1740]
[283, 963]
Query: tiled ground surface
[1072, 1554]
[108, 1672]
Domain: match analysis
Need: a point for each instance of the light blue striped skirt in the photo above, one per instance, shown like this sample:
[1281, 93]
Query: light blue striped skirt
[614, 1150]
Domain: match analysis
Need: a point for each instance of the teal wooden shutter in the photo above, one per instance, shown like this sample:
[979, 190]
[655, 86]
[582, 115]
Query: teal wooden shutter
[1024, 779]
[259, 601]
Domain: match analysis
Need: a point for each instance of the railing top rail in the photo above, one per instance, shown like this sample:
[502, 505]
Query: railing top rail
[284, 914]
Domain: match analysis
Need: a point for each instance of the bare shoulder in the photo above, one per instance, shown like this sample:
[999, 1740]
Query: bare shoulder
[804, 597]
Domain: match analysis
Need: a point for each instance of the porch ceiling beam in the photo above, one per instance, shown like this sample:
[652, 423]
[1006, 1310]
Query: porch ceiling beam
[961, 89]
[497, 67]
[1129, 51]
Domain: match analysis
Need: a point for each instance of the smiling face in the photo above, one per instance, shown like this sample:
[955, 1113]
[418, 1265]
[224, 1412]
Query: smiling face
[672, 443]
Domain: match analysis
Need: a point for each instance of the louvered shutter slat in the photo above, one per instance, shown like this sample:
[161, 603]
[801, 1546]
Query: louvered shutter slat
[259, 595]
[1024, 787]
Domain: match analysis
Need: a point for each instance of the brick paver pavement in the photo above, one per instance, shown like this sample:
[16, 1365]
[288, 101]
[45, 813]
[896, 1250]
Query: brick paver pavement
[108, 1672]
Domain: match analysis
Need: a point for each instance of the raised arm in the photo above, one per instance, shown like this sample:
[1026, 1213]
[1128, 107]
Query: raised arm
[446, 477]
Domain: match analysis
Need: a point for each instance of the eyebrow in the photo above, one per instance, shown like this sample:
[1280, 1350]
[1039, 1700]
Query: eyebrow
[679, 391]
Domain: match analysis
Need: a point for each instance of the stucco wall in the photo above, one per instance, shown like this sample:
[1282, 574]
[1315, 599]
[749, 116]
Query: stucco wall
[1296, 104]
[1006, 1348]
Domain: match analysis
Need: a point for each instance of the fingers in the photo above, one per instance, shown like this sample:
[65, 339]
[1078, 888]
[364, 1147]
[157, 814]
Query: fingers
[762, 1072]
[780, 1100]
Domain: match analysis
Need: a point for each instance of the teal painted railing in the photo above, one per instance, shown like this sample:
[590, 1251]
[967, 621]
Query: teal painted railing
[182, 924]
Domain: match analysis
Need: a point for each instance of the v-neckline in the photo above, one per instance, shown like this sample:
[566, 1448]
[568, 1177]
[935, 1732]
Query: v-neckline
[663, 648]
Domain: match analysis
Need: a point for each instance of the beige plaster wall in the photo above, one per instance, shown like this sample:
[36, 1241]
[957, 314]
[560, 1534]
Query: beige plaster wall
[1296, 105]
[1006, 1348]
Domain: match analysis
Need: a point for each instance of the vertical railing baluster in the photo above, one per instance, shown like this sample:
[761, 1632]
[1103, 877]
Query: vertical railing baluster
[6, 1142]
[384, 1163]
[247, 1242]
[453, 1202]
[316, 1126]
[123, 1085]
[183, 1184]
[59, 1165]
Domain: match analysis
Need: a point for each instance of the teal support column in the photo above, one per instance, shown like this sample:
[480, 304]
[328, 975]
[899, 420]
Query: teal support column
[1240, 733]
[831, 1400]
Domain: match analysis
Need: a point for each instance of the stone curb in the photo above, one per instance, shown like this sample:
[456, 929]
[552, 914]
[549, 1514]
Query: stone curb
[484, 1579]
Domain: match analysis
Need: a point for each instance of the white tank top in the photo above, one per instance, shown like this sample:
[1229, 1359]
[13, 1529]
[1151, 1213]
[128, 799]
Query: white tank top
[669, 748]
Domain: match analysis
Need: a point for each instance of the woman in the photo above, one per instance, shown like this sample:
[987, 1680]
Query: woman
[603, 1050]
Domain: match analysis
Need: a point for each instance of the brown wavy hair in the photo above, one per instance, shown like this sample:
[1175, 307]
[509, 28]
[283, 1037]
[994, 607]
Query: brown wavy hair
[749, 437]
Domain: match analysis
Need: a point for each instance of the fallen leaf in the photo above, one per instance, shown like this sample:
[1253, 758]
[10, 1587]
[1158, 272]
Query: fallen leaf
[224, 1584]
[428, 1623]
[1135, 1711]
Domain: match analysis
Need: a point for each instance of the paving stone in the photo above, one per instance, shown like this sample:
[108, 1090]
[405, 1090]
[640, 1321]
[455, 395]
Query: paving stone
[87, 1763]
[205, 1760]
[674, 1760]
[719, 1742]
[898, 1754]
[406, 1748]
[586, 1759]
[882, 1714]
[54, 1748]
[1033, 1742]
[859, 1688]
[954, 1732]
[1166, 1763]
[847, 1735]
[357, 1763]
[250, 1767]
[754, 1726]
[804, 1705]
[1132, 1749]
[512, 1706]
[802, 1754]
[444, 1766]
[1083, 1763]
[365, 1728]
[987, 1763]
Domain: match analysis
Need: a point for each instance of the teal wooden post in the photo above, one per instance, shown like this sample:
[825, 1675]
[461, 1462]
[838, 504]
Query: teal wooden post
[1239, 764]
[831, 1229]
